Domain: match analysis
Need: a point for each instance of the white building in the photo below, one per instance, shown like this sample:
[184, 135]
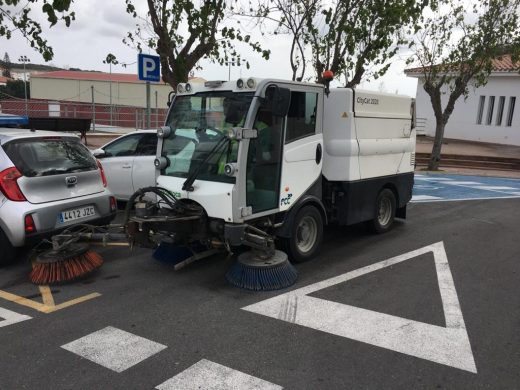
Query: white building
[490, 113]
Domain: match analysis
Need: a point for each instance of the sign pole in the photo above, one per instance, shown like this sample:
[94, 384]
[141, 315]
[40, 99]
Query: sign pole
[148, 108]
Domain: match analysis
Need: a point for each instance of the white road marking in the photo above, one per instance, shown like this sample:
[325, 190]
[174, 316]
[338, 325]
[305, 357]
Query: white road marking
[114, 348]
[445, 345]
[11, 317]
[208, 375]
[495, 188]
[418, 198]
[464, 183]
[433, 178]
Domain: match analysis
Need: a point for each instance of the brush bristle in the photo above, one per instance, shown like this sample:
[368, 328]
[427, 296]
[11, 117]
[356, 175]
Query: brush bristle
[262, 278]
[65, 270]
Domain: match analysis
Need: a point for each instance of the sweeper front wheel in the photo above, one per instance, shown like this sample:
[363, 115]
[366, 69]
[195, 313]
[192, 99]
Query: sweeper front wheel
[253, 272]
[306, 235]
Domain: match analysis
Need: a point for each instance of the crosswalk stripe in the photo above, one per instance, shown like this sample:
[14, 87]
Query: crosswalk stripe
[11, 317]
[114, 348]
[206, 374]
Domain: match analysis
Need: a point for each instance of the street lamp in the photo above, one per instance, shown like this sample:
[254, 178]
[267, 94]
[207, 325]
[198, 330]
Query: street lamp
[234, 61]
[24, 60]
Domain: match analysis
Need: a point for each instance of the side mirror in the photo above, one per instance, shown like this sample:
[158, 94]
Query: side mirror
[280, 99]
[99, 153]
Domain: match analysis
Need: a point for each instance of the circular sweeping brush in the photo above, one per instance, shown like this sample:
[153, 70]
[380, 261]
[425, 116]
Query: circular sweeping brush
[253, 272]
[62, 265]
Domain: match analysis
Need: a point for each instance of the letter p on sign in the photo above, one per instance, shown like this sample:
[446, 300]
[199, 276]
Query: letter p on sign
[149, 68]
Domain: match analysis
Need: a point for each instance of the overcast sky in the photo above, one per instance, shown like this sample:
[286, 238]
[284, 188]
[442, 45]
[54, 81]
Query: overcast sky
[101, 25]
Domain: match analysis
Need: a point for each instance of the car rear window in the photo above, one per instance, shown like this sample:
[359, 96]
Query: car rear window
[49, 156]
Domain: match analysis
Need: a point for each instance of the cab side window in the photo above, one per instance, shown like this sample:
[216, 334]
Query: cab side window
[301, 118]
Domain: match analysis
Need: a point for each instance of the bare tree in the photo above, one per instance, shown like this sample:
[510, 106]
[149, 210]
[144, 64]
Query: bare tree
[455, 49]
[183, 32]
[358, 38]
[354, 38]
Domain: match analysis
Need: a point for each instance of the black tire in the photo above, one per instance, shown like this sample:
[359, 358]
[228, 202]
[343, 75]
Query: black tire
[306, 235]
[8, 252]
[384, 211]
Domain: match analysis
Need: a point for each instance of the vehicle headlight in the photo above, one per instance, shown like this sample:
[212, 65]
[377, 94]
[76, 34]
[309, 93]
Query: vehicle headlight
[161, 162]
[164, 131]
[240, 83]
[251, 83]
[230, 169]
[180, 88]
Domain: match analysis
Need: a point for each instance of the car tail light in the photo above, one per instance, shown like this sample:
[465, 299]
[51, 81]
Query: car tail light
[113, 204]
[30, 227]
[9, 185]
[102, 172]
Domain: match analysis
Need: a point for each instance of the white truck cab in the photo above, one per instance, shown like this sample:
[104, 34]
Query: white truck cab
[287, 157]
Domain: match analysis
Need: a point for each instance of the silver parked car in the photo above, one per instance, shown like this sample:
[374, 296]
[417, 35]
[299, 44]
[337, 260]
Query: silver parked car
[48, 182]
[128, 162]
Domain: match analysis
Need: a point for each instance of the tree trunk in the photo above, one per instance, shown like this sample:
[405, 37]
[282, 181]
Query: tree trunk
[435, 158]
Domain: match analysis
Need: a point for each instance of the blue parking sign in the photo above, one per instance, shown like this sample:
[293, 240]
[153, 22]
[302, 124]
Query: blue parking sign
[149, 67]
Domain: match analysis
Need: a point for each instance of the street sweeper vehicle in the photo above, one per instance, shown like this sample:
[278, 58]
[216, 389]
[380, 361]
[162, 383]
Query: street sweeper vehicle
[266, 164]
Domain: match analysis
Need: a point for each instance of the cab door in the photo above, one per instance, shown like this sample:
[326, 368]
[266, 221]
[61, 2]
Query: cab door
[284, 161]
[303, 146]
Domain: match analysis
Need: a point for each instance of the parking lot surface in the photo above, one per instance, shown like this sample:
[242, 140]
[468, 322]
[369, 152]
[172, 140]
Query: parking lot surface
[439, 187]
[432, 304]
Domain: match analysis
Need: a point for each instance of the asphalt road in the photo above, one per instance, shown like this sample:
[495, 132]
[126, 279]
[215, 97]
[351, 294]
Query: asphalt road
[444, 317]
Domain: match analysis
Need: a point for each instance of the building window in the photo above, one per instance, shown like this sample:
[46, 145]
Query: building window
[491, 106]
[512, 101]
[500, 110]
[480, 109]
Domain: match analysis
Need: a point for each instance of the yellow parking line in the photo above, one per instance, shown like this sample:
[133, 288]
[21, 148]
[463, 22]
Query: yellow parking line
[74, 302]
[48, 305]
[47, 297]
[23, 301]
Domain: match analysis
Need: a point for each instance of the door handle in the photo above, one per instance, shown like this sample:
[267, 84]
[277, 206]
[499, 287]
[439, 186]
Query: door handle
[318, 154]
[126, 166]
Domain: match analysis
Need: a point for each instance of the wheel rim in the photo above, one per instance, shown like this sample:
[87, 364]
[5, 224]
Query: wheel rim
[384, 213]
[306, 234]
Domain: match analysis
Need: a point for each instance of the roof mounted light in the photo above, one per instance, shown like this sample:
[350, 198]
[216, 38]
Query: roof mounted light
[180, 88]
[240, 83]
[213, 84]
[251, 83]
[188, 87]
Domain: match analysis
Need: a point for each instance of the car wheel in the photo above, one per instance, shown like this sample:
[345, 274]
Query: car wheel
[8, 252]
[385, 209]
[306, 235]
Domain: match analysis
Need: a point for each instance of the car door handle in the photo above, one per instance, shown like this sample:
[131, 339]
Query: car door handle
[127, 166]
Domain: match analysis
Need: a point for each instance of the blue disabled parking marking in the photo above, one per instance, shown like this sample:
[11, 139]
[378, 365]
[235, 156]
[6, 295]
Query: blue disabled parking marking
[436, 188]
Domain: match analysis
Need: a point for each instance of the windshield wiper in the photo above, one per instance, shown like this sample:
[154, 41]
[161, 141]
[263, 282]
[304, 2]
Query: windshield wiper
[188, 183]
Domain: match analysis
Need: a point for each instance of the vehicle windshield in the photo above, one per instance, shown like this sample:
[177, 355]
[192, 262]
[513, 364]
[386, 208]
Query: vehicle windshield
[199, 123]
[49, 156]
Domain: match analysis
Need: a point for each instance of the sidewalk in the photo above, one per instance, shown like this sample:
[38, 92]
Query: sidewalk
[470, 148]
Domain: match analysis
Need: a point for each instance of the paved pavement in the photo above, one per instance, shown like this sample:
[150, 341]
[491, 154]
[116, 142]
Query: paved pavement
[432, 304]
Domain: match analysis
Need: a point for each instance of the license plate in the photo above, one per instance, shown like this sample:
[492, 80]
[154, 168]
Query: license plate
[74, 214]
